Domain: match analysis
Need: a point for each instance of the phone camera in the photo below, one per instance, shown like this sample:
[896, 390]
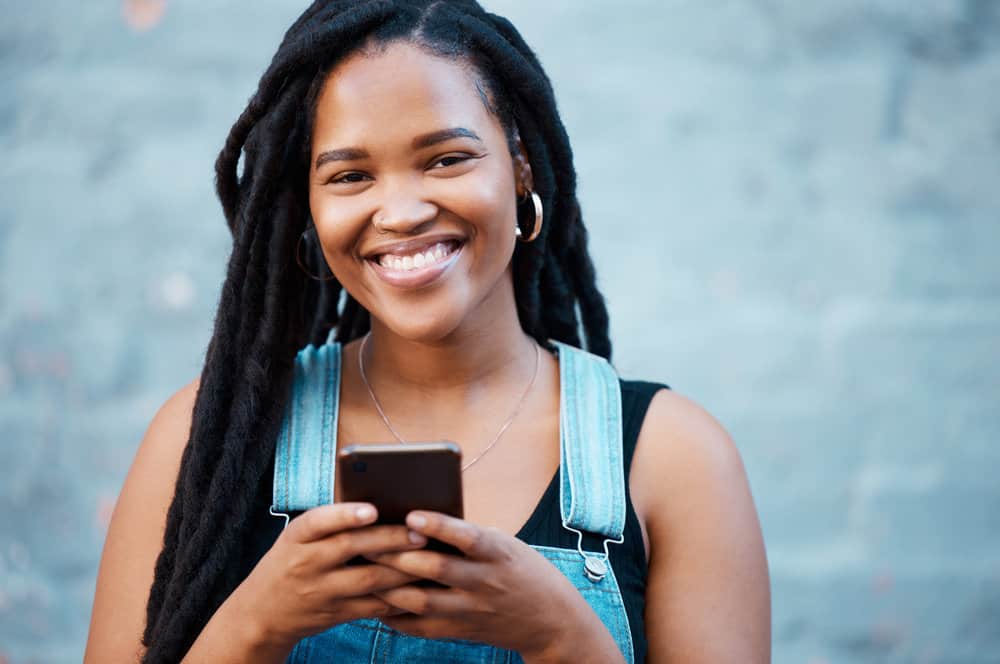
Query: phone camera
[359, 466]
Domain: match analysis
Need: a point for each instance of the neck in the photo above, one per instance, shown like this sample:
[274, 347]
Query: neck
[458, 363]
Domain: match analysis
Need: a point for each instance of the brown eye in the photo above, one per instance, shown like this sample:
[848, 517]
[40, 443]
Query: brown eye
[349, 178]
[452, 159]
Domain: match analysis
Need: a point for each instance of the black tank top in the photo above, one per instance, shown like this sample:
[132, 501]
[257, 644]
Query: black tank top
[543, 527]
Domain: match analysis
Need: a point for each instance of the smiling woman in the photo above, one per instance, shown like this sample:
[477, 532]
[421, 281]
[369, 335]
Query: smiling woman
[416, 146]
[428, 165]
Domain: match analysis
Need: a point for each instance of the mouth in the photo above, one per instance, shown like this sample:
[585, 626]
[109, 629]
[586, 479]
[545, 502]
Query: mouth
[416, 265]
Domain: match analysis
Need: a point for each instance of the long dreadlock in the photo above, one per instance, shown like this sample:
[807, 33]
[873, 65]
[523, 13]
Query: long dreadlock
[268, 308]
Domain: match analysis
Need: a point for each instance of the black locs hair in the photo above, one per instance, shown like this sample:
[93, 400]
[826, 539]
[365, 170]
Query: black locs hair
[269, 308]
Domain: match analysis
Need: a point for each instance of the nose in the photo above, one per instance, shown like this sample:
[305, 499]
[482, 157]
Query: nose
[403, 210]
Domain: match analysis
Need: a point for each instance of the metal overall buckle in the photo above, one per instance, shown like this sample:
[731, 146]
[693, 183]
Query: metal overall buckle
[270, 509]
[595, 566]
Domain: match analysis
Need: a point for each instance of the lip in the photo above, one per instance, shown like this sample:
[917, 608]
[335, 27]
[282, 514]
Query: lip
[413, 278]
[414, 245]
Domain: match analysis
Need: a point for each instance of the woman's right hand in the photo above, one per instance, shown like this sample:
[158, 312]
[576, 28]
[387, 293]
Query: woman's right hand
[301, 585]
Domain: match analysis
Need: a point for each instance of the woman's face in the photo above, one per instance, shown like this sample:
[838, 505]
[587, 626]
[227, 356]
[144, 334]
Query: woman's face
[413, 191]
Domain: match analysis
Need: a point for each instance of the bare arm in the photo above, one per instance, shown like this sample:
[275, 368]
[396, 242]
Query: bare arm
[133, 542]
[303, 577]
[135, 535]
[708, 593]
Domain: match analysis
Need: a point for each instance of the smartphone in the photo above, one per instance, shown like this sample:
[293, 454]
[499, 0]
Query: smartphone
[398, 478]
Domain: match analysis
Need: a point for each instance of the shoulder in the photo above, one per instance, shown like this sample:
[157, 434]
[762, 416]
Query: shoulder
[686, 464]
[135, 532]
[163, 444]
[683, 443]
[708, 594]
[175, 415]
[678, 430]
[166, 436]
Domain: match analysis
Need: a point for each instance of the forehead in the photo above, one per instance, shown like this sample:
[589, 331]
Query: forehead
[399, 91]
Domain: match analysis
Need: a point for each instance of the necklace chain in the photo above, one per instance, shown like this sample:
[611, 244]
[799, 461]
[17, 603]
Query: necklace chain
[388, 424]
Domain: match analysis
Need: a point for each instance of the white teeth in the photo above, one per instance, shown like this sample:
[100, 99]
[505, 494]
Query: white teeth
[434, 254]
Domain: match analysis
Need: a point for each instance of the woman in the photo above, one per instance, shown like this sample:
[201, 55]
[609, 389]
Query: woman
[408, 155]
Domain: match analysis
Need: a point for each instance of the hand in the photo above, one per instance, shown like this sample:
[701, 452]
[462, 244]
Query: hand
[502, 592]
[301, 586]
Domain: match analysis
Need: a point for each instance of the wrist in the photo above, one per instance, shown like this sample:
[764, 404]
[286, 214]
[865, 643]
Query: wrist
[234, 635]
[254, 634]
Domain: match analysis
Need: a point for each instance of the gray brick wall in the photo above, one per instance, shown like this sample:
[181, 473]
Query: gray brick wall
[805, 194]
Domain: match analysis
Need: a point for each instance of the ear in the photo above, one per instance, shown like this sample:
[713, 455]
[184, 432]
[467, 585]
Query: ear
[523, 180]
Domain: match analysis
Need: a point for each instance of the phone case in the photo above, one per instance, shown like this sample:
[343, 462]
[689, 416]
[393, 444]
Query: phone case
[401, 477]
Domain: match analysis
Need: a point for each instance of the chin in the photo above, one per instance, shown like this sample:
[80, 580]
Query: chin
[427, 325]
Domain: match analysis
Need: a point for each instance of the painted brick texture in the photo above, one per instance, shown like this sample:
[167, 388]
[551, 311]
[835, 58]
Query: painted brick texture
[794, 210]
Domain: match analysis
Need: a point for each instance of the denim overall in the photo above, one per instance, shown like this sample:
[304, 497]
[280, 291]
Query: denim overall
[591, 497]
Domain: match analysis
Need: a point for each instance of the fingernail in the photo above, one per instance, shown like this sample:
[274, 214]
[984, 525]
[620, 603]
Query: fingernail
[365, 513]
[417, 520]
[416, 538]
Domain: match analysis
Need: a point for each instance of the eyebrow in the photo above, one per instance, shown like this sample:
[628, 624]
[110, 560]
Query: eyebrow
[436, 137]
[342, 154]
[422, 141]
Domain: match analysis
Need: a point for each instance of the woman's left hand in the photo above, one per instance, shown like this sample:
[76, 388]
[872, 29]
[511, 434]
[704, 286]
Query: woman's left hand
[502, 592]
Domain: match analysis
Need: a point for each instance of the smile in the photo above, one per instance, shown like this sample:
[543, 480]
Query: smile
[416, 266]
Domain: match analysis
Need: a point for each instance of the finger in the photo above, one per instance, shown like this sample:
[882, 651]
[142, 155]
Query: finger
[364, 607]
[361, 580]
[370, 541]
[472, 540]
[445, 569]
[430, 601]
[326, 520]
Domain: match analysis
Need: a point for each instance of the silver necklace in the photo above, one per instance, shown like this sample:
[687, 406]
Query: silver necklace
[378, 406]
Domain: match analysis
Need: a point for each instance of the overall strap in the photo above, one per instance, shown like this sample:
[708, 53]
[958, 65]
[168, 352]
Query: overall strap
[303, 461]
[592, 485]
[592, 477]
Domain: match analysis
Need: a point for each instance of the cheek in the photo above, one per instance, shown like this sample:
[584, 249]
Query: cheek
[339, 221]
[487, 202]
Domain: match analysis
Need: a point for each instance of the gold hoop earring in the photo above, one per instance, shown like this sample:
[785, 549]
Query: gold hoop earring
[298, 260]
[536, 204]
